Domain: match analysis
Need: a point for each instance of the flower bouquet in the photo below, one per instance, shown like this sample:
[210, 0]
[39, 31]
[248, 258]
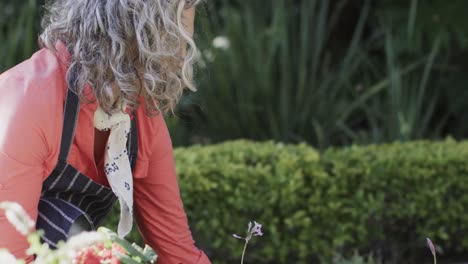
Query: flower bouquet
[99, 247]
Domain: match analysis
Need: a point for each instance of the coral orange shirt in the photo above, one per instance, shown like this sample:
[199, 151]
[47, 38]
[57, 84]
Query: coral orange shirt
[32, 97]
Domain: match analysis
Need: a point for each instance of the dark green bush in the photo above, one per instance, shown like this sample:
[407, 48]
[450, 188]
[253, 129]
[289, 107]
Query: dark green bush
[379, 199]
[19, 24]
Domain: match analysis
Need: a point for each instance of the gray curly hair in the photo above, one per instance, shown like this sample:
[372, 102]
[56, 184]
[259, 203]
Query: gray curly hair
[124, 49]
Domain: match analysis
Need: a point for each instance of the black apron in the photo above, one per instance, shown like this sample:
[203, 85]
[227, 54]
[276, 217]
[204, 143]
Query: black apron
[71, 201]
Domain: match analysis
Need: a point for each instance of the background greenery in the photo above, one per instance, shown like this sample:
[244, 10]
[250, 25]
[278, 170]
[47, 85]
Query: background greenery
[331, 72]
[379, 200]
[328, 74]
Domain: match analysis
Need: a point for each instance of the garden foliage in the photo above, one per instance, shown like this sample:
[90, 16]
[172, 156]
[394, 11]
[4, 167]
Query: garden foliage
[330, 72]
[382, 200]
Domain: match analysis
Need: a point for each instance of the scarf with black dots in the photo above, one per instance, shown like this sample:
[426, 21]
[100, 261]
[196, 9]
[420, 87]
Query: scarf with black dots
[116, 163]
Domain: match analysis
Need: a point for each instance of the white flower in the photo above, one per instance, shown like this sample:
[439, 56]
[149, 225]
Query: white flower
[6, 257]
[43, 254]
[85, 239]
[18, 217]
[221, 42]
[209, 55]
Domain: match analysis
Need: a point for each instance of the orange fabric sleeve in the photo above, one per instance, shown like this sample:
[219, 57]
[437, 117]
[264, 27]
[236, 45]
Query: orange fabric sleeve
[26, 155]
[24, 188]
[159, 209]
[29, 134]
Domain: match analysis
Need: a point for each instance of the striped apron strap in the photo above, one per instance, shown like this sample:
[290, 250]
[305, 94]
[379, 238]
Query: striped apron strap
[70, 117]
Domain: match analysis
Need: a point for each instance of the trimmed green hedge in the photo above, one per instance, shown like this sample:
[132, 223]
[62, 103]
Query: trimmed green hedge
[383, 199]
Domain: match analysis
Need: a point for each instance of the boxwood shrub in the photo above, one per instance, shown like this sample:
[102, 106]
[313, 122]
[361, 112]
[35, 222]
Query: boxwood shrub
[379, 199]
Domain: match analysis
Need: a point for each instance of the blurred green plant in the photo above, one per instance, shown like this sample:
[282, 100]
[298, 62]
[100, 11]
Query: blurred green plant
[275, 72]
[277, 76]
[401, 86]
[435, 19]
[356, 259]
[19, 24]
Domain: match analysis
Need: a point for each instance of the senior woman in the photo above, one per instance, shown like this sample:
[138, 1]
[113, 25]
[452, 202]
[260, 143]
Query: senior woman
[81, 123]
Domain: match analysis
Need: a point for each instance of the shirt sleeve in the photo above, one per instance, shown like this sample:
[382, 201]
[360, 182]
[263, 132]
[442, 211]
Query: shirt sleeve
[28, 143]
[159, 209]
[23, 151]
[22, 184]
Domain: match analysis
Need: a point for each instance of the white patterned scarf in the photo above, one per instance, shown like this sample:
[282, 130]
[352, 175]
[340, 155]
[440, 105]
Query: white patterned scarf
[116, 163]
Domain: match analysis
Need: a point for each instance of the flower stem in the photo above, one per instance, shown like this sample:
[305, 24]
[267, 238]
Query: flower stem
[435, 260]
[243, 252]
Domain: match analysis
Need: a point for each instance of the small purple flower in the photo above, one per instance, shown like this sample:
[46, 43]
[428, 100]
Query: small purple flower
[255, 231]
[431, 246]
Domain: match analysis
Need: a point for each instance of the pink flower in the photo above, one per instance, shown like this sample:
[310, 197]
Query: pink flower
[99, 254]
[431, 246]
[87, 256]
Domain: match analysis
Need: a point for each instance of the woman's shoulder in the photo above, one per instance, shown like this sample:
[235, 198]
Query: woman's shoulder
[33, 90]
[35, 81]
[31, 106]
